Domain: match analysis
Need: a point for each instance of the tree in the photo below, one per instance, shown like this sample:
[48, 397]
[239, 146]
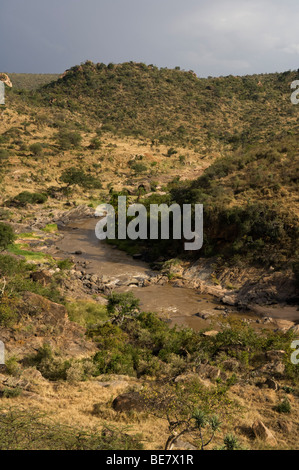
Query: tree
[75, 176]
[198, 423]
[68, 140]
[122, 305]
[7, 236]
[36, 149]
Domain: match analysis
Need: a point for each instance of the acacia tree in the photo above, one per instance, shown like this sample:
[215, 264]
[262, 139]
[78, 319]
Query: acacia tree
[76, 176]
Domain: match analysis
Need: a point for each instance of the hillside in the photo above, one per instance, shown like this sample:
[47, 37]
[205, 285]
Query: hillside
[88, 365]
[129, 122]
[31, 81]
[170, 106]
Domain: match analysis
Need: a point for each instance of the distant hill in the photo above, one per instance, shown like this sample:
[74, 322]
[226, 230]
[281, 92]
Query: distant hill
[176, 106]
[31, 81]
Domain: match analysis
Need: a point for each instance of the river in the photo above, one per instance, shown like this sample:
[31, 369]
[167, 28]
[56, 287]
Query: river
[177, 305]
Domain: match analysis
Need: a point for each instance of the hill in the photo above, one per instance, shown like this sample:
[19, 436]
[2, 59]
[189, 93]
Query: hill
[170, 106]
[31, 81]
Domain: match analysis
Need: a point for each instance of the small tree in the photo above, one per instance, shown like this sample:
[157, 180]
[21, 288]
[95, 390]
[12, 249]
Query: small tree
[122, 305]
[76, 176]
[198, 423]
[36, 149]
[7, 236]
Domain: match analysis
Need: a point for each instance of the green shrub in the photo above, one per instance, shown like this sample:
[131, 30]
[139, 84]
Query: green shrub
[4, 154]
[25, 197]
[76, 176]
[284, 406]
[36, 149]
[7, 236]
[12, 392]
[68, 140]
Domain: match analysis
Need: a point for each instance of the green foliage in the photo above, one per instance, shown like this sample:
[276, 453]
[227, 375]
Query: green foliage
[65, 264]
[4, 154]
[122, 304]
[231, 442]
[171, 106]
[50, 228]
[17, 275]
[284, 406]
[12, 392]
[25, 197]
[88, 314]
[68, 140]
[7, 236]
[95, 144]
[76, 176]
[36, 149]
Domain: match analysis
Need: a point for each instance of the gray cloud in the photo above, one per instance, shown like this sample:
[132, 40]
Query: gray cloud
[216, 37]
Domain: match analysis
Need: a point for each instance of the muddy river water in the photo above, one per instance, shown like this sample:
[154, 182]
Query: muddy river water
[178, 305]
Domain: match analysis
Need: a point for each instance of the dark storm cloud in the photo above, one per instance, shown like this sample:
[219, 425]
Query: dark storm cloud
[216, 37]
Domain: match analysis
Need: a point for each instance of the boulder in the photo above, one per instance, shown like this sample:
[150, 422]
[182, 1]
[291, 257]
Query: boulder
[206, 371]
[272, 384]
[211, 334]
[262, 432]
[129, 402]
[43, 277]
[50, 324]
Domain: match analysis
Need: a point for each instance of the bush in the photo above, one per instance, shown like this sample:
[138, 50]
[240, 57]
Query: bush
[3, 154]
[36, 149]
[284, 406]
[68, 140]
[75, 176]
[7, 236]
[24, 198]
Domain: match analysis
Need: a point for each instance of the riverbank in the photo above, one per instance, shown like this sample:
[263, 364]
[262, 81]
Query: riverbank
[186, 300]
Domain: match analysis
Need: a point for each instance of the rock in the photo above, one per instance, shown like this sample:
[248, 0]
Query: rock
[113, 384]
[275, 355]
[267, 320]
[278, 368]
[229, 300]
[207, 371]
[206, 314]
[271, 383]
[262, 432]
[179, 444]
[43, 277]
[284, 325]
[137, 256]
[185, 378]
[295, 330]
[129, 402]
[51, 325]
[211, 333]
[231, 365]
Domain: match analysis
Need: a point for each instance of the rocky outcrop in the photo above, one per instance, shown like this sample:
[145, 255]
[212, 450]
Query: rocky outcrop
[42, 321]
[262, 432]
[129, 402]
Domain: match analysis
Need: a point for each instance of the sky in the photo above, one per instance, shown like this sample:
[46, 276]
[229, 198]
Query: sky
[212, 38]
